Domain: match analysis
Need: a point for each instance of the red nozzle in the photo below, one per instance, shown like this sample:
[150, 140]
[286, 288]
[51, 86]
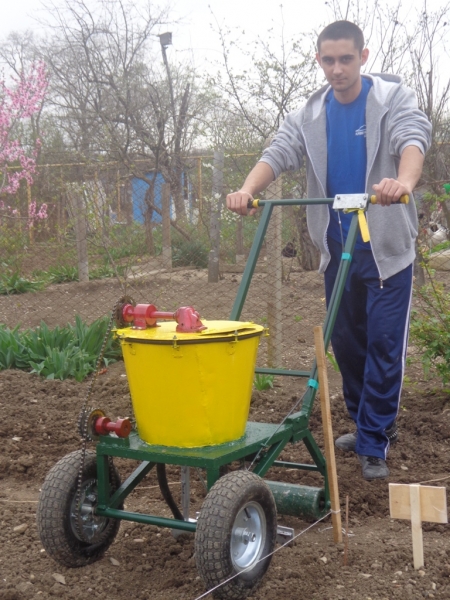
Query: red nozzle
[104, 425]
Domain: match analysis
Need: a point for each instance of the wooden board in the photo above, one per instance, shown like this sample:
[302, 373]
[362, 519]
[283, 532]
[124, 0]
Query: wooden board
[433, 503]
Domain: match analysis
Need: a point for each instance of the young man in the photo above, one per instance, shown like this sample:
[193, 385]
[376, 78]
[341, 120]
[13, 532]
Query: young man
[360, 133]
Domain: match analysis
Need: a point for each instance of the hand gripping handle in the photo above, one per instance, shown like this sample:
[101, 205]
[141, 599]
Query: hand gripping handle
[402, 200]
[253, 203]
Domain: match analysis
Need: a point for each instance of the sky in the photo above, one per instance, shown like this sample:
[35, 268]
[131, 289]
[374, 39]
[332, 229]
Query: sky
[248, 19]
[257, 15]
[196, 17]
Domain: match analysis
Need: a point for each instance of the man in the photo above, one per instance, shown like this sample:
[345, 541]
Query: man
[360, 133]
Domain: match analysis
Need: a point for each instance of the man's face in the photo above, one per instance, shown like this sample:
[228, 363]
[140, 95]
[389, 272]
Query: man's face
[341, 62]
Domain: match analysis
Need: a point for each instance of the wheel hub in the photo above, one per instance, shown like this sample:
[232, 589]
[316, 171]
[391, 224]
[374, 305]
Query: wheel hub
[92, 526]
[248, 536]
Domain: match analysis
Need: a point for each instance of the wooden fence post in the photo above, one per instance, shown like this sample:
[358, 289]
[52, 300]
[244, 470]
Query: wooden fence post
[30, 221]
[81, 236]
[240, 258]
[166, 237]
[217, 199]
[274, 278]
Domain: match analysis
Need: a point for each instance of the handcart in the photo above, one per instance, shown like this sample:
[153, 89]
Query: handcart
[82, 499]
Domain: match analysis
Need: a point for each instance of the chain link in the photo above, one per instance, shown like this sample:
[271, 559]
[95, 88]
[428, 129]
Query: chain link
[84, 415]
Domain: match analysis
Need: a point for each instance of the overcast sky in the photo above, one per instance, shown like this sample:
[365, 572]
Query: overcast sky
[194, 31]
[253, 13]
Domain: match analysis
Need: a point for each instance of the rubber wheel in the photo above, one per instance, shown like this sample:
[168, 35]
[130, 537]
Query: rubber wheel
[236, 534]
[57, 512]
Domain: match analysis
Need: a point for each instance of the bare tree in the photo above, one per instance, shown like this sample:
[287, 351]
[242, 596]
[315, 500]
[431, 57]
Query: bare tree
[118, 95]
[274, 76]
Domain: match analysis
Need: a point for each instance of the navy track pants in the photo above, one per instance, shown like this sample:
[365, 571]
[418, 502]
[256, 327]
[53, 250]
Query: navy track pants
[369, 340]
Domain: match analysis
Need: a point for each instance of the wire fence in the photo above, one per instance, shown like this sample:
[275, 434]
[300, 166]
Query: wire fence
[82, 236]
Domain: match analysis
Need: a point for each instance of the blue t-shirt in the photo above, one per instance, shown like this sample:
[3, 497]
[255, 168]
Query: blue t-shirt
[347, 155]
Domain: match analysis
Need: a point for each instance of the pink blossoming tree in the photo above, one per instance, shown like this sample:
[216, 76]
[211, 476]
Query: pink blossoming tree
[18, 103]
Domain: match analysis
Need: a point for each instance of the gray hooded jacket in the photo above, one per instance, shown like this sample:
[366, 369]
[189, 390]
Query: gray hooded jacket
[393, 122]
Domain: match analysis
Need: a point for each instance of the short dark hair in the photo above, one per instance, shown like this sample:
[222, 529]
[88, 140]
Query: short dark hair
[342, 30]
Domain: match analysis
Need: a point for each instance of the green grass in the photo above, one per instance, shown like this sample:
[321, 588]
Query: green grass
[263, 382]
[58, 353]
[14, 283]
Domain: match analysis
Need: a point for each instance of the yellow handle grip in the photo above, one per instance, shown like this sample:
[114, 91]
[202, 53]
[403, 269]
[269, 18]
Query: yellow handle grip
[403, 199]
[253, 203]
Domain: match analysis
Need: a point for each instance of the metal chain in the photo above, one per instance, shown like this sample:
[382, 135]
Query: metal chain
[83, 425]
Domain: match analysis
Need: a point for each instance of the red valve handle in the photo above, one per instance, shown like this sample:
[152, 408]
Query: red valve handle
[104, 425]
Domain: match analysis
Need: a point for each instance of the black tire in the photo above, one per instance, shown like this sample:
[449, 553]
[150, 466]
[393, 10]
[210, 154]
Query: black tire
[57, 516]
[236, 530]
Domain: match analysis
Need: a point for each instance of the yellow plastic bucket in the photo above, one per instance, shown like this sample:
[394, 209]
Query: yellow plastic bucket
[191, 389]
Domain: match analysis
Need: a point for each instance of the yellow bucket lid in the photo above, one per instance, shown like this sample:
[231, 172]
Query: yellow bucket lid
[166, 332]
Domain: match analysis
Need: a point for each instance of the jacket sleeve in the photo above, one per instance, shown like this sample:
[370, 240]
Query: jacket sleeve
[287, 148]
[408, 125]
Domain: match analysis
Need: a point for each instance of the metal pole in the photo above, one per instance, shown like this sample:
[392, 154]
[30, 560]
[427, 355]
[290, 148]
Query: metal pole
[185, 491]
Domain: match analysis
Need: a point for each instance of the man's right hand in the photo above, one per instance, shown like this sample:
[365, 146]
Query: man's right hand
[238, 203]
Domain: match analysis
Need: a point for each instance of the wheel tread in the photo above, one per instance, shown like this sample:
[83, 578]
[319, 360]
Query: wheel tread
[52, 516]
[213, 532]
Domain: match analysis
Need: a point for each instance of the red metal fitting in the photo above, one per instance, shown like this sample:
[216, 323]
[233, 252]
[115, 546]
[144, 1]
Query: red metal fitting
[146, 315]
[188, 320]
[104, 425]
[140, 315]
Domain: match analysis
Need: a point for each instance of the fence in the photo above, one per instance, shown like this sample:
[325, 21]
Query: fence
[83, 236]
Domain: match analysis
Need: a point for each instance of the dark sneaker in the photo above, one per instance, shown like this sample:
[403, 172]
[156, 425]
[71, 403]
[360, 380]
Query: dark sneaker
[392, 434]
[347, 442]
[373, 467]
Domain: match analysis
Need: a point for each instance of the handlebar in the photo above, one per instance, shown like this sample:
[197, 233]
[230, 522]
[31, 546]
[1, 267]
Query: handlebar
[256, 203]
[402, 200]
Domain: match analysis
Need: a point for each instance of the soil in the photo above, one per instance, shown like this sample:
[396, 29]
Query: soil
[38, 427]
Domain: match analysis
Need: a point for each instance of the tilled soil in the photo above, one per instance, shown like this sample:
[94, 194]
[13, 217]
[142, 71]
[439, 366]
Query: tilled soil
[38, 427]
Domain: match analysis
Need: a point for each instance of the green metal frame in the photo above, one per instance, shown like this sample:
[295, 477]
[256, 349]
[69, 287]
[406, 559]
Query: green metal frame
[262, 443]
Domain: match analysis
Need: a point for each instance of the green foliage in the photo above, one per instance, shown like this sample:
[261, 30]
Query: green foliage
[104, 271]
[125, 240]
[13, 353]
[430, 329]
[62, 274]
[13, 243]
[58, 353]
[189, 253]
[332, 361]
[440, 247]
[14, 283]
[263, 382]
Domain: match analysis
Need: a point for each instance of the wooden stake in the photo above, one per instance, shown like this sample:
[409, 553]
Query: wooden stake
[416, 525]
[346, 533]
[328, 434]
